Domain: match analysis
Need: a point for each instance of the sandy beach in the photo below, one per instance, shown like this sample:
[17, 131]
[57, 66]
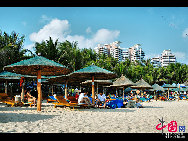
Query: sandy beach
[65, 120]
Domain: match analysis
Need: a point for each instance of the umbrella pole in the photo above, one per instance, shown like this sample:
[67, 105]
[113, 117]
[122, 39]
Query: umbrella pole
[123, 92]
[6, 87]
[39, 101]
[93, 91]
[66, 89]
[168, 93]
[116, 91]
[23, 93]
[52, 89]
[97, 89]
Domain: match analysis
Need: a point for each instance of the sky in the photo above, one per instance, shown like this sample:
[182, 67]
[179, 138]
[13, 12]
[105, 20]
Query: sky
[155, 28]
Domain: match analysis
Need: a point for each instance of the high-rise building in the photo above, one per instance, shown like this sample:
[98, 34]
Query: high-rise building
[167, 57]
[136, 53]
[112, 49]
[164, 60]
[121, 54]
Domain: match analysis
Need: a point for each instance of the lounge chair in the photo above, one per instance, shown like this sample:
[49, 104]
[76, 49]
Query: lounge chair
[4, 97]
[13, 103]
[61, 101]
[51, 99]
[72, 99]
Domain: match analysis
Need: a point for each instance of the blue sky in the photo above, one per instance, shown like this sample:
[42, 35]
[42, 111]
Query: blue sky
[155, 28]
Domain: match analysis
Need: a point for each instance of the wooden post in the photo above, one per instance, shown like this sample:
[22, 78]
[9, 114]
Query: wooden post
[52, 89]
[66, 89]
[39, 101]
[123, 93]
[116, 92]
[97, 88]
[93, 90]
[168, 93]
[23, 92]
[6, 87]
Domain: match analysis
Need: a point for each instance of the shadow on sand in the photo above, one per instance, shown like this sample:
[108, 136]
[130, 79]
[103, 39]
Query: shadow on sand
[21, 117]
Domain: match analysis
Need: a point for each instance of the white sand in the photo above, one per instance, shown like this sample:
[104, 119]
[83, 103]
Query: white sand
[64, 120]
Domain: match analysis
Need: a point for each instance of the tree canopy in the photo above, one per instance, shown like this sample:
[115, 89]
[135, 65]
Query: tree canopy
[69, 54]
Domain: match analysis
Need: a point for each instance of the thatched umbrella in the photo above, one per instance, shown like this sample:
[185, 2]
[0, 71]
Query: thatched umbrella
[141, 84]
[65, 79]
[12, 77]
[156, 87]
[38, 66]
[123, 82]
[169, 86]
[93, 71]
[98, 82]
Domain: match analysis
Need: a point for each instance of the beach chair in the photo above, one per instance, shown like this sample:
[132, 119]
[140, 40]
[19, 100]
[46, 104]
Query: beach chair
[51, 99]
[13, 103]
[72, 99]
[61, 101]
[131, 104]
[4, 97]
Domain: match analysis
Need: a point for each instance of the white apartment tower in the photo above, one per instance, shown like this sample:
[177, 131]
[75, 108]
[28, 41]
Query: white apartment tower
[167, 57]
[112, 49]
[136, 53]
[164, 60]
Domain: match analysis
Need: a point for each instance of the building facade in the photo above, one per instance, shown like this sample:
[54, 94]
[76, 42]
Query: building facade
[164, 60]
[121, 54]
[136, 53]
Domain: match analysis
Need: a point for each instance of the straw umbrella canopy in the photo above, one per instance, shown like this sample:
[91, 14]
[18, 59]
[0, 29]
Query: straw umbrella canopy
[65, 79]
[156, 87]
[38, 66]
[99, 82]
[141, 84]
[123, 82]
[169, 86]
[12, 77]
[93, 72]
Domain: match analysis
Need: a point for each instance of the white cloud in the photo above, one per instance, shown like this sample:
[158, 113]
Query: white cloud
[24, 23]
[105, 36]
[60, 29]
[57, 29]
[180, 55]
[45, 18]
[185, 33]
[30, 46]
[88, 30]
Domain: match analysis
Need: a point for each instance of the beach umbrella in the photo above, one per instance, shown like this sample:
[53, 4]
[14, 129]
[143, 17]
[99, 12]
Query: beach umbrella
[12, 77]
[156, 87]
[65, 79]
[93, 72]
[141, 84]
[123, 82]
[98, 82]
[168, 86]
[38, 66]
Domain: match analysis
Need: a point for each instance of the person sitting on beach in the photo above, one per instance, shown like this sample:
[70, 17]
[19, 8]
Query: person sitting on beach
[101, 100]
[83, 98]
[77, 95]
[138, 105]
[30, 98]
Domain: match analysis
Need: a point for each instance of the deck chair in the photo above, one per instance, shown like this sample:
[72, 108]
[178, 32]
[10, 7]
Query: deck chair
[3, 97]
[131, 104]
[72, 99]
[51, 99]
[61, 101]
[13, 103]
